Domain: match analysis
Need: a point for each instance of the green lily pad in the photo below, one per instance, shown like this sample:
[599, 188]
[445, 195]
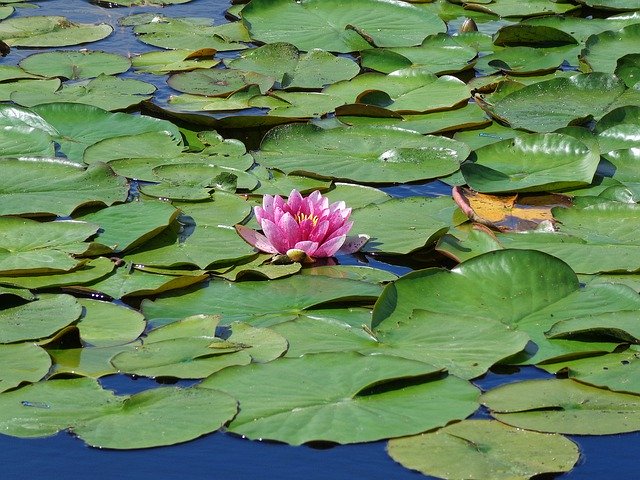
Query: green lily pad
[136, 3]
[74, 137]
[259, 303]
[410, 90]
[45, 408]
[367, 154]
[469, 116]
[75, 64]
[536, 107]
[615, 371]
[534, 162]
[402, 225]
[273, 182]
[28, 246]
[582, 28]
[338, 27]
[621, 325]
[124, 227]
[38, 319]
[490, 449]
[286, 65]
[563, 406]
[22, 362]
[459, 344]
[628, 69]
[333, 405]
[353, 272]
[201, 174]
[176, 351]
[87, 361]
[68, 186]
[297, 104]
[602, 51]
[136, 282]
[25, 141]
[523, 60]
[166, 61]
[104, 91]
[160, 145]
[529, 34]
[616, 5]
[28, 87]
[52, 31]
[191, 33]
[438, 54]
[515, 8]
[105, 324]
[86, 273]
[260, 267]
[161, 416]
[217, 82]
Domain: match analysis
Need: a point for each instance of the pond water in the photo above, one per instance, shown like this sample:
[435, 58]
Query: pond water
[226, 456]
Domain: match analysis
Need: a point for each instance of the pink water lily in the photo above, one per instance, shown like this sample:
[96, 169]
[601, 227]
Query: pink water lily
[302, 227]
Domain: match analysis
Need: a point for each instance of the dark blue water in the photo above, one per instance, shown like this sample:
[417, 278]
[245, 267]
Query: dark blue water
[224, 456]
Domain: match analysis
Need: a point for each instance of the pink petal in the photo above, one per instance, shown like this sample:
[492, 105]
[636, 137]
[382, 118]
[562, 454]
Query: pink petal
[295, 201]
[291, 230]
[274, 236]
[353, 244]
[330, 247]
[255, 239]
[343, 230]
[308, 247]
[319, 233]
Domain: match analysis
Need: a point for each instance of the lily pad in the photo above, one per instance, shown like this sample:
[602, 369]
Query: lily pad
[52, 31]
[490, 449]
[338, 27]
[68, 186]
[175, 350]
[457, 343]
[536, 107]
[74, 137]
[191, 33]
[602, 51]
[165, 61]
[161, 416]
[564, 406]
[75, 64]
[408, 90]
[22, 362]
[105, 324]
[105, 91]
[402, 225]
[38, 319]
[333, 405]
[28, 246]
[529, 163]
[124, 227]
[437, 54]
[258, 302]
[291, 69]
[367, 154]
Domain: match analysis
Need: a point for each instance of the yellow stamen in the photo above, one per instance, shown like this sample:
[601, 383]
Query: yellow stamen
[301, 217]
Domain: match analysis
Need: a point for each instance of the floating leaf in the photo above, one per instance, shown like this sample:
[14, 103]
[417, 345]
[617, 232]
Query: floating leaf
[52, 31]
[490, 450]
[401, 225]
[38, 319]
[563, 406]
[260, 302]
[367, 154]
[339, 27]
[28, 246]
[529, 163]
[107, 92]
[68, 186]
[333, 405]
[165, 61]
[75, 64]
[105, 324]
[22, 362]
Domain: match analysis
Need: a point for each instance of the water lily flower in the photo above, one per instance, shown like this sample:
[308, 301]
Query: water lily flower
[302, 228]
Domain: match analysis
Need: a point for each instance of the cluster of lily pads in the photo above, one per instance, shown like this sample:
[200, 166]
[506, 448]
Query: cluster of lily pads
[118, 252]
